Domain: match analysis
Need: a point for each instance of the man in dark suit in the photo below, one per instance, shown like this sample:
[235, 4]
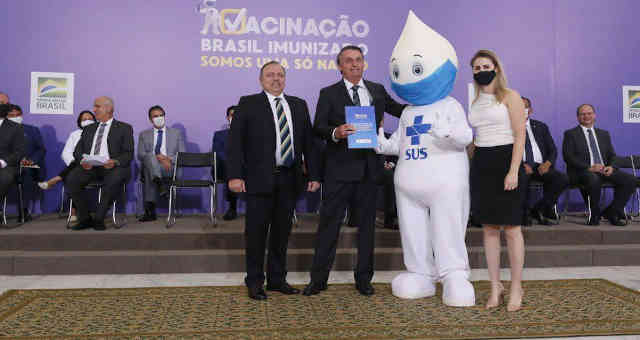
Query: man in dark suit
[111, 140]
[269, 135]
[34, 156]
[589, 153]
[350, 175]
[218, 145]
[11, 150]
[539, 164]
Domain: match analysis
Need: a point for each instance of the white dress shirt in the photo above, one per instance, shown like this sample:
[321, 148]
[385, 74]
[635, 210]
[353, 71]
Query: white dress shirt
[3, 164]
[363, 94]
[537, 155]
[70, 146]
[163, 147]
[287, 112]
[104, 147]
[586, 136]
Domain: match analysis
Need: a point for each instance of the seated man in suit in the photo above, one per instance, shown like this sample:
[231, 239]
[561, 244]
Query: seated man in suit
[108, 139]
[218, 146]
[539, 159]
[11, 150]
[34, 156]
[588, 153]
[157, 151]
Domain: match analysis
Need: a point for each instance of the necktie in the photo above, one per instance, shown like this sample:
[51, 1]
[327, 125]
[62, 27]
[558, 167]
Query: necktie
[286, 154]
[594, 148]
[356, 97]
[159, 142]
[96, 149]
[528, 151]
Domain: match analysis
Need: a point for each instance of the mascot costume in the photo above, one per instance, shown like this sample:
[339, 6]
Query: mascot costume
[432, 175]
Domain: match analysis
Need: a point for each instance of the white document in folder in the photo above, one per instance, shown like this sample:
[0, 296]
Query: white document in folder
[94, 160]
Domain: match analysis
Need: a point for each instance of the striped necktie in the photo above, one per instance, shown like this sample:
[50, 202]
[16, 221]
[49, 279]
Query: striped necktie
[356, 96]
[286, 148]
[594, 148]
[96, 150]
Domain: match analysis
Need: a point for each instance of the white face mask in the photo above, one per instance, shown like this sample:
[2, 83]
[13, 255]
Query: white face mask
[526, 112]
[158, 122]
[230, 119]
[16, 119]
[86, 123]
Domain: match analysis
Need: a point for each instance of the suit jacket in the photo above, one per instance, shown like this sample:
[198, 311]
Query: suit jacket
[544, 140]
[175, 143]
[11, 142]
[218, 145]
[251, 147]
[119, 142]
[342, 163]
[576, 152]
[34, 147]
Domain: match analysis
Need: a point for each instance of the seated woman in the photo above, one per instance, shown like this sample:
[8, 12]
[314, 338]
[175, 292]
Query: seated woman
[85, 119]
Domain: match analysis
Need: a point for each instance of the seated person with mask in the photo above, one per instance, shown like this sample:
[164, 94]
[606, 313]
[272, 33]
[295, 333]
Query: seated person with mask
[157, 151]
[11, 150]
[33, 159]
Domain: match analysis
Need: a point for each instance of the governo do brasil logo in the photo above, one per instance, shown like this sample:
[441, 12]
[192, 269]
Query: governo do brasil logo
[52, 87]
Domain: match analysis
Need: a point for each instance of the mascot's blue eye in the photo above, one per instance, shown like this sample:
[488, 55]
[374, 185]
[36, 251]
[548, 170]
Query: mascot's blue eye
[396, 71]
[416, 69]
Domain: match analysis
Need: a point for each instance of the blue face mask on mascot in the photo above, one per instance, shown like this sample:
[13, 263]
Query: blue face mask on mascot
[430, 89]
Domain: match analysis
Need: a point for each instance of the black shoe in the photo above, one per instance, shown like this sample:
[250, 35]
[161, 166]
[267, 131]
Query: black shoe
[99, 226]
[26, 216]
[284, 288]
[231, 214]
[149, 212]
[365, 288]
[82, 225]
[257, 292]
[594, 221]
[612, 216]
[550, 214]
[537, 214]
[314, 288]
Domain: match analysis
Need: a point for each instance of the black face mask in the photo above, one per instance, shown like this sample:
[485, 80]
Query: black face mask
[484, 77]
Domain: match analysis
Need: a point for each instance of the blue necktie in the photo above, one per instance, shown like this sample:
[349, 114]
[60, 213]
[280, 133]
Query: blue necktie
[528, 151]
[286, 148]
[159, 142]
[594, 148]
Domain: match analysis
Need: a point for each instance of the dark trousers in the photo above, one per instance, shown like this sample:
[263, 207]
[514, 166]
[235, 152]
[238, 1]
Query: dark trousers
[390, 210]
[337, 196]
[554, 182]
[231, 197]
[112, 180]
[269, 214]
[592, 182]
[63, 174]
[7, 179]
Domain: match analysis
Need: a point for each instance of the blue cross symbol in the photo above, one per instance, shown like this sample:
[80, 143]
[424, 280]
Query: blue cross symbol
[417, 129]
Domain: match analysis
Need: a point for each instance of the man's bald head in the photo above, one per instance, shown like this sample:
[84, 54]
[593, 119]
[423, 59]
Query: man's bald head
[4, 98]
[103, 107]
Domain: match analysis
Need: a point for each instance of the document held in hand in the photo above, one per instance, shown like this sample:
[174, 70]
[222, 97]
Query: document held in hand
[94, 160]
[363, 118]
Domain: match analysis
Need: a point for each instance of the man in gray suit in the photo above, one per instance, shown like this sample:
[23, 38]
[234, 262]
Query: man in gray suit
[157, 151]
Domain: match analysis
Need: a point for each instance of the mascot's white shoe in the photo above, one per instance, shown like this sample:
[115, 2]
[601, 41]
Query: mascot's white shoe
[412, 286]
[457, 291]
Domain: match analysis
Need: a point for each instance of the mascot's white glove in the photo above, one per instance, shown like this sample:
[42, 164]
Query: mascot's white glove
[442, 127]
[387, 146]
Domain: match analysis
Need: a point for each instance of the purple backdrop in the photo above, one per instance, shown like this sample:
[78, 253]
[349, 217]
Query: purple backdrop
[559, 53]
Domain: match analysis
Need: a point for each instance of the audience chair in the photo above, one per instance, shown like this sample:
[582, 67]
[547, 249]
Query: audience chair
[538, 186]
[193, 160]
[97, 185]
[20, 200]
[587, 199]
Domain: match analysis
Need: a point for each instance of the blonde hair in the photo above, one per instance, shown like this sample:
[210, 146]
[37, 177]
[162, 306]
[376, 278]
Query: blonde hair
[501, 77]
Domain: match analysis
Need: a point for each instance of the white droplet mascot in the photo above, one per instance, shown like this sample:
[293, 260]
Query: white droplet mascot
[432, 175]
